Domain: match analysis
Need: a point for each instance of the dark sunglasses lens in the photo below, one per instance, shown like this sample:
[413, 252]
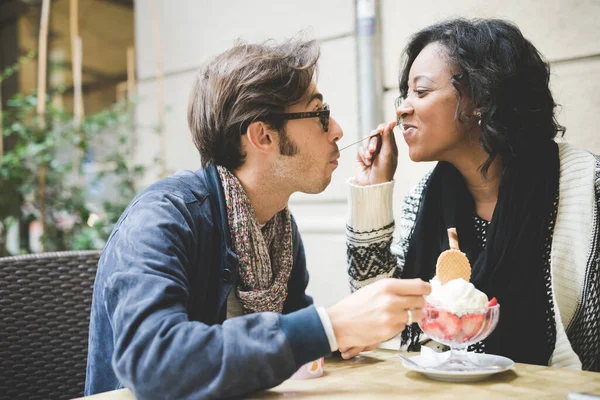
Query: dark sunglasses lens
[325, 122]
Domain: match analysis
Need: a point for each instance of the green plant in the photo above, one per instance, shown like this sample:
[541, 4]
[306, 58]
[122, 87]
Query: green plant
[51, 168]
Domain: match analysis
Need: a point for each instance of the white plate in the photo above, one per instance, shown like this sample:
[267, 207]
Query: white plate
[503, 364]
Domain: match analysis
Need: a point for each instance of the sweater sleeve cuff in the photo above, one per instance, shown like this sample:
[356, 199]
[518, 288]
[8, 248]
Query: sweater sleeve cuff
[306, 335]
[370, 207]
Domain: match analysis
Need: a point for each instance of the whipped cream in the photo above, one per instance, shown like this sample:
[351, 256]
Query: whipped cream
[457, 296]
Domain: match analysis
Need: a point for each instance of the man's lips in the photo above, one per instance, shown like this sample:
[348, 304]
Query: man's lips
[334, 161]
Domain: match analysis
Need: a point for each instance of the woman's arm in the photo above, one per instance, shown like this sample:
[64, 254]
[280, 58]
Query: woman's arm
[371, 252]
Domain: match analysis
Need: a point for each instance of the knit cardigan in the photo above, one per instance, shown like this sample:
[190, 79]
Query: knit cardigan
[575, 252]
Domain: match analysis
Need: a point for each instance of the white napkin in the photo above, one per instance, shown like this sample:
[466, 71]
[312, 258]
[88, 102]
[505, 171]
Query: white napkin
[431, 358]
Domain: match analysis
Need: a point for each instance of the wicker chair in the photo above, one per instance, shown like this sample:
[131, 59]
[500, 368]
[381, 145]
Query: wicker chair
[45, 304]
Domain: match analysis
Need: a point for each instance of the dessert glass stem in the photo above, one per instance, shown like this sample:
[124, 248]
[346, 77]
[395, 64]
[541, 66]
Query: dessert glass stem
[458, 360]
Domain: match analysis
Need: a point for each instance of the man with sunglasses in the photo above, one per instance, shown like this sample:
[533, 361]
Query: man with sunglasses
[200, 290]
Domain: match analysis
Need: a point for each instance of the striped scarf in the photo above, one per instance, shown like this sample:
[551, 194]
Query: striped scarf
[264, 255]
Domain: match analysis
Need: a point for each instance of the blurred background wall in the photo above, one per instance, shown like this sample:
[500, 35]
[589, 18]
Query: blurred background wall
[106, 30]
[173, 38]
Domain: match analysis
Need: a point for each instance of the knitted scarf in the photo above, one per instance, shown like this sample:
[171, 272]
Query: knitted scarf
[264, 255]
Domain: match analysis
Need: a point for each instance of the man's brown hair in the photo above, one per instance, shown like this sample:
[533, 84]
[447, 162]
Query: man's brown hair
[245, 84]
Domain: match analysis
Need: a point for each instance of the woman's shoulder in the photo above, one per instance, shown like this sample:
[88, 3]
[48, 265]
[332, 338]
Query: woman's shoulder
[412, 202]
[597, 180]
[569, 152]
[573, 159]
[597, 158]
[416, 191]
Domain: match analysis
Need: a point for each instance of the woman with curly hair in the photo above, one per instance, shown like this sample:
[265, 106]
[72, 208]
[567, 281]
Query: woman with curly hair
[475, 97]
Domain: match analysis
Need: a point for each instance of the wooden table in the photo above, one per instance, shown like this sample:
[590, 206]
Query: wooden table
[379, 374]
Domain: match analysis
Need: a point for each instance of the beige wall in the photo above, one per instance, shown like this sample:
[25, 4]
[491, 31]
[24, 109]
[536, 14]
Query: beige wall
[192, 31]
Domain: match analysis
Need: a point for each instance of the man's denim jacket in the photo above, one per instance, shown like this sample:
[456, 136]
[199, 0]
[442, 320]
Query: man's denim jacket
[158, 321]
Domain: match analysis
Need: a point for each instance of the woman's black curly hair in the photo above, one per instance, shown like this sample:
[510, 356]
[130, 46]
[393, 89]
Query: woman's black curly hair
[505, 77]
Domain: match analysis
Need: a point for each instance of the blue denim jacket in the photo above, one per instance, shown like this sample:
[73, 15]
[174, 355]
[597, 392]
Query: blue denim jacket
[159, 306]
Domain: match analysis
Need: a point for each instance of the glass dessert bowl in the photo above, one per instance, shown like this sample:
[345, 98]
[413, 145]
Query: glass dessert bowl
[459, 329]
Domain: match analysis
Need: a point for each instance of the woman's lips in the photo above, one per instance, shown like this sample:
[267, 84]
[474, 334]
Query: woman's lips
[409, 131]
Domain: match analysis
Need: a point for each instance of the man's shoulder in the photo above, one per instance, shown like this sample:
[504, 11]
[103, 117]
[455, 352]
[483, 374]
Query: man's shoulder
[185, 185]
[181, 198]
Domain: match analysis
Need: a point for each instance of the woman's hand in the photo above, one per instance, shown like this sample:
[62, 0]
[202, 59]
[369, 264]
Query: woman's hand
[377, 162]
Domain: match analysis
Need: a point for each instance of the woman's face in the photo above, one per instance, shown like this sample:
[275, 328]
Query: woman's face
[429, 124]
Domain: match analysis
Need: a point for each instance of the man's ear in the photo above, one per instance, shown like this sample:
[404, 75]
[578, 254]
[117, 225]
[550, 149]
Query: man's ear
[260, 136]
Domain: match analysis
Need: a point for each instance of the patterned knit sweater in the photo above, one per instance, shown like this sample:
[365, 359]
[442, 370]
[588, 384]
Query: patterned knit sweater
[574, 255]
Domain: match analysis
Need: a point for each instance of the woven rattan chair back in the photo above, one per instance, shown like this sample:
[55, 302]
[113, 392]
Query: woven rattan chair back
[45, 302]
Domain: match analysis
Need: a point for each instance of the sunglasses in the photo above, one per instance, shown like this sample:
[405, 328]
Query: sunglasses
[323, 116]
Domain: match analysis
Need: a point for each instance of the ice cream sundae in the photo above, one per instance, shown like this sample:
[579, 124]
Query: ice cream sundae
[457, 314]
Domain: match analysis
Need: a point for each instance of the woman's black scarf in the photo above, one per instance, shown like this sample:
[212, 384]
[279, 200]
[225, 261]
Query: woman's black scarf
[511, 267]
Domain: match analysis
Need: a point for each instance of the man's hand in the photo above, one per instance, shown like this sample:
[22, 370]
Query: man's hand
[351, 352]
[376, 313]
[377, 162]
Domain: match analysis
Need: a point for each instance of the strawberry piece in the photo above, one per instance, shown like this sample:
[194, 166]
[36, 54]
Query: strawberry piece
[471, 324]
[493, 302]
[430, 313]
[433, 330]
[450, 323]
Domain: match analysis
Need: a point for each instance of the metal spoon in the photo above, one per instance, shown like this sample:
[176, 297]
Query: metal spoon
[411, 362]
[361, 140]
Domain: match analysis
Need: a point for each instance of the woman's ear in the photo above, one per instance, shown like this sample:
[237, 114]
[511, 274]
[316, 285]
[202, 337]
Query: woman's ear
[260, 136]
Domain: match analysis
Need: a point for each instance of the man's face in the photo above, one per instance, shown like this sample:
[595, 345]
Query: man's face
[308, 155]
